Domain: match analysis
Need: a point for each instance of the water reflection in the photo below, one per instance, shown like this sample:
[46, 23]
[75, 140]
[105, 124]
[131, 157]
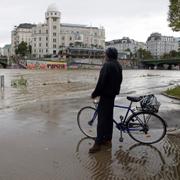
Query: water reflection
[137, 161]
[2, 92]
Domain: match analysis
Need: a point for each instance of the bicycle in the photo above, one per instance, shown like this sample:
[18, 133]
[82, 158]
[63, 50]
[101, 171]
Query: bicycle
[143, 126]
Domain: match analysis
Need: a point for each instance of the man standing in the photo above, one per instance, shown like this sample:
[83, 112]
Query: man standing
[108, 86]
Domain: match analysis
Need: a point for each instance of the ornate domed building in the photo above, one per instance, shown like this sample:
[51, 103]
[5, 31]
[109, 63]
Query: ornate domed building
[52, 8]
[50, 37]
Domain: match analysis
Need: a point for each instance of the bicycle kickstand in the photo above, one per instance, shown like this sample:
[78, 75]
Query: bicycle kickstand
[121, 137]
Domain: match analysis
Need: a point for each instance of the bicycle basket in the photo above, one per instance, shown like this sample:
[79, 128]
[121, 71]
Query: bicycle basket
[150, 103]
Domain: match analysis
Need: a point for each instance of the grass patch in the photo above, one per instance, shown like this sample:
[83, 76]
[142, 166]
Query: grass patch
[174, 91]
[19, 82]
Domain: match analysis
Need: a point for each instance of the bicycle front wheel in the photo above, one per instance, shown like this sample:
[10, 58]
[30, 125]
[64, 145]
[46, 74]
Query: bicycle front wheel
[87, 121]
[146, 127]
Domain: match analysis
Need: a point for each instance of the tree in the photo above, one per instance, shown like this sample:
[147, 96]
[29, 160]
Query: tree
[174, 15]
[173, 53]
[165, 56]
[22, 49]
[143, 54]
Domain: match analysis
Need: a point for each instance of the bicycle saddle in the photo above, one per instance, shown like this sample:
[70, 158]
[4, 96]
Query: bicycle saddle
[134, 99]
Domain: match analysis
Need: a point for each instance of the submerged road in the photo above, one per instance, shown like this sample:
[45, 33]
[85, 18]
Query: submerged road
[40, 139]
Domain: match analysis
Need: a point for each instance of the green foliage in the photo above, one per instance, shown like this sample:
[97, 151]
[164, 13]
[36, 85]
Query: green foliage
[23, 49]
[143, 54]
[174, 15]
[174, 91]
[19, 82]
[171, 54]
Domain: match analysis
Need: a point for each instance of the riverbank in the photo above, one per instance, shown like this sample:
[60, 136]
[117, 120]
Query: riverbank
[173, 92]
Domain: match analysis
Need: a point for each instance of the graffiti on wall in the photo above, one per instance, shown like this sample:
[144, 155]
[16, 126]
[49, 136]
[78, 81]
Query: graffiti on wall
[31, 64]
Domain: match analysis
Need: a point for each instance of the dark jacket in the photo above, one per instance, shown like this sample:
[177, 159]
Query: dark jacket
[109, 81]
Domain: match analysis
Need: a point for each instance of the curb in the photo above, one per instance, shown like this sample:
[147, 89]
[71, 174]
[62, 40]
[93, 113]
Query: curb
[174, 97]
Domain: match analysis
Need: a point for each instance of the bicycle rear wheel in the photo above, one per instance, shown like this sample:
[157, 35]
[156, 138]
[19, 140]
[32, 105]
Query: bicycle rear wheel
[87, 121]
[146, 127]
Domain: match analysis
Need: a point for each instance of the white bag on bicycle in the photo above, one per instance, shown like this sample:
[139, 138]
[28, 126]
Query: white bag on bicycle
[150, 103]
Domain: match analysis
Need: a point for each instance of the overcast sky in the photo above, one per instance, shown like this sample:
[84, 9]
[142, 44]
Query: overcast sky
[136, 19]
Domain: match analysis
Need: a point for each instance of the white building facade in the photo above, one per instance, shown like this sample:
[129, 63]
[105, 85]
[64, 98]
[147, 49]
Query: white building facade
[126, 44]
[6, 50]
[1, 51]
[159, 45]
[21, 33]
[48, 38]
[178, 40]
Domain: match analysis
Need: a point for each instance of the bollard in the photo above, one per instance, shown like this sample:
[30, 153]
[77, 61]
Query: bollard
[2, 81]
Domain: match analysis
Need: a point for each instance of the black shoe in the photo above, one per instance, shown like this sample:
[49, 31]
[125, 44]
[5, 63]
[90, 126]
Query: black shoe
[96, 147]
[107, 143]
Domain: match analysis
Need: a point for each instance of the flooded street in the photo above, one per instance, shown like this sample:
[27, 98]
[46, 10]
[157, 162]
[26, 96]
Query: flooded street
[40, 139]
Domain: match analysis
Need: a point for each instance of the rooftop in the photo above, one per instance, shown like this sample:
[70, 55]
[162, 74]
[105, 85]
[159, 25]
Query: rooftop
[77, 25]
[52, 8]
[26, 25]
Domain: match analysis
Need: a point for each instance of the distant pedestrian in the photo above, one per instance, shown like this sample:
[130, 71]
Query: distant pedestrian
[108, 86]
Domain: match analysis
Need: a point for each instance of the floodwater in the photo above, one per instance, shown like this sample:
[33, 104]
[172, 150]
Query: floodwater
[40, 139]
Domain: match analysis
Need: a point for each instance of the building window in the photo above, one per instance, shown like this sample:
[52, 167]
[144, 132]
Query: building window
[34, 39]
[54, 27]
[46, 44]
[54, 40]
[46, 50]
[39, 31]
[54, 45]
[46, 38]
[39, 38]
[70, 38]
[63, 38]
[54, 34]
[39, 44]
[46, 31]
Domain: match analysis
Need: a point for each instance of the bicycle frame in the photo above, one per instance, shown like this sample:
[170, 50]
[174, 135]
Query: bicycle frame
[118, 125]
[129, 109]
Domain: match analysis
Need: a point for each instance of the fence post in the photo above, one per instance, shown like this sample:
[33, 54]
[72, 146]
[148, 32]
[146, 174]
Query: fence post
[2, 81]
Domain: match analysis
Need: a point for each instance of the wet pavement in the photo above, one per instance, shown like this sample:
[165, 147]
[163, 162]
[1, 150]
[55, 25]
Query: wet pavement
[40, 139]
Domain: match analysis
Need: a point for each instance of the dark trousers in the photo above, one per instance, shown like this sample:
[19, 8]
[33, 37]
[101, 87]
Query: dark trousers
[105, 119]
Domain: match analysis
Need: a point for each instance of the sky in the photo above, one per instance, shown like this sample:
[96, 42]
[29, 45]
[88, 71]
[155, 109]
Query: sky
[135, 19]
